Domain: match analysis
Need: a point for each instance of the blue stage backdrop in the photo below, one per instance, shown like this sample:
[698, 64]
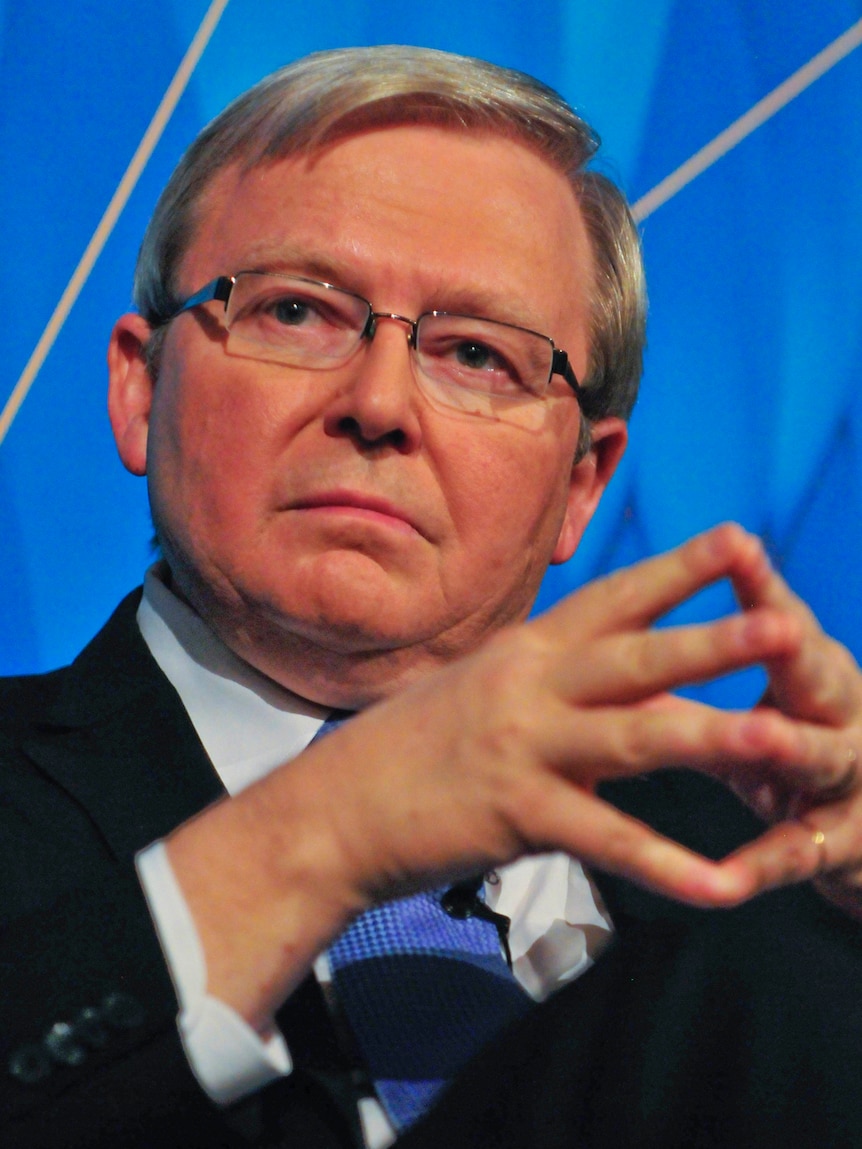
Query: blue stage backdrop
[751, 399]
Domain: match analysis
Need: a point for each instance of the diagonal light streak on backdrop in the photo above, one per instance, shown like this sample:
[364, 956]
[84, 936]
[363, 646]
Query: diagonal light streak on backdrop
[763, 110]
[724, 142]
[112, 213]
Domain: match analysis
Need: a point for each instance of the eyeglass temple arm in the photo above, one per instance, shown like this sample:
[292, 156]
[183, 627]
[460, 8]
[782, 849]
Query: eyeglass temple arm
[219, 289]
[560, 366]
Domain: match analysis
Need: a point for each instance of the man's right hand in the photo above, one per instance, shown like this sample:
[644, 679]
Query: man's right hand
[496, 756]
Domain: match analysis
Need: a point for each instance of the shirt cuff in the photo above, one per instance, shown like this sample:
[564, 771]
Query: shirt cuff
[227, 1056]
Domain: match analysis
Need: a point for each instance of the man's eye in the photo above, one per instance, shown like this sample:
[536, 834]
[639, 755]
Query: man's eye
[291, 312]
[491, 367]
[476, 356]
[464, 361]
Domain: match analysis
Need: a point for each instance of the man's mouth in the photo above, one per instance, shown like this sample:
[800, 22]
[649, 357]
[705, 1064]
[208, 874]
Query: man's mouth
[357, 505]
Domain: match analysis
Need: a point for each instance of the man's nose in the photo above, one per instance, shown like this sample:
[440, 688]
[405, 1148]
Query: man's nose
[378, 401]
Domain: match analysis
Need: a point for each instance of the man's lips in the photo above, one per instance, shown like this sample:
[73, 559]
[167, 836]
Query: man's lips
[356, 504]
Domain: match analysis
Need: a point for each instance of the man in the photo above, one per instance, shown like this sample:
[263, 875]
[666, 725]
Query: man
[389, 331]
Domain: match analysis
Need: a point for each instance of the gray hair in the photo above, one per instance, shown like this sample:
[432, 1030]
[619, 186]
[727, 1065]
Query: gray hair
[329, 95]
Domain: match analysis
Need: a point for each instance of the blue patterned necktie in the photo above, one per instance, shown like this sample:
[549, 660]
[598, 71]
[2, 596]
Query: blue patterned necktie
[422, 991]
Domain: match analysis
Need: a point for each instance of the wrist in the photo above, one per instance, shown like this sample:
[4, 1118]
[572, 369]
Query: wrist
[266, 893]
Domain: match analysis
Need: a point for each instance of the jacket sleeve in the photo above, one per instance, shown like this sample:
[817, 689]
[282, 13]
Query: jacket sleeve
[89, 1049]
[90, 1054]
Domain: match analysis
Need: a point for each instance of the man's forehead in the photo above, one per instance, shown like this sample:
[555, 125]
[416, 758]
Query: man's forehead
[227, 181]
[279, 240]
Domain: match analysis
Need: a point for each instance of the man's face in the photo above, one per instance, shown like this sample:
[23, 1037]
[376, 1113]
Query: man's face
[336, 529]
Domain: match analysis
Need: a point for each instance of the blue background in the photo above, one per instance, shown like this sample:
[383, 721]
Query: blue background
[750, 407]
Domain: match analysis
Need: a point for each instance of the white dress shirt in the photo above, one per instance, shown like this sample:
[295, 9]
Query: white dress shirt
[249, 725]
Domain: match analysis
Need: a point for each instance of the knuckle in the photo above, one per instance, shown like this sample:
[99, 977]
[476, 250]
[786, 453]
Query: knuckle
[503, 694]
[847, 668]
[503, 735]
[634, 742]
[762, 735]
[523, 803]
[830, 694]
[622, 590]
[621, 848]
[833, 679]
[716, 547]
[513, 663]
[640, 659]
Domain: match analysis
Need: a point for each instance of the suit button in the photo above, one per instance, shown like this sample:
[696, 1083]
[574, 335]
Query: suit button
[122, 1011]
[89, 1027]
[62, 1046]
[30, 1064]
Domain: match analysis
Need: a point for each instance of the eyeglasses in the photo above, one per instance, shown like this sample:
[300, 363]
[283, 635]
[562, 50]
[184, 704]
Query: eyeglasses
[478, 366]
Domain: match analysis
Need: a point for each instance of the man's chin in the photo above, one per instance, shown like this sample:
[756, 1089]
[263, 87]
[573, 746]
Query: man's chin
[350, 603]
[355, 634]
[340, 661]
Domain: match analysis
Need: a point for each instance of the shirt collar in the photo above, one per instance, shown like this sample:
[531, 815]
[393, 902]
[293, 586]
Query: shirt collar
[247, 723]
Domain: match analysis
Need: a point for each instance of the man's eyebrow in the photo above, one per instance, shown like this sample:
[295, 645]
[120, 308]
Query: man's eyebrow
[297, 261]
[486, 304]
[458, 299]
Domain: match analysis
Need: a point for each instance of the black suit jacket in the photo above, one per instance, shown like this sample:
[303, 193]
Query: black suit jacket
[96, 761]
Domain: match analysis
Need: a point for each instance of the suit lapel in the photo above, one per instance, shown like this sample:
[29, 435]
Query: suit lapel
[118, 740]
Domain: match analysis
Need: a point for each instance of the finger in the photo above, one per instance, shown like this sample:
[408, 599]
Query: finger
[824, 846]
[791, 757]
[825, 843]
[821, 682]
[836, 831]
[638, 595]
[749, 751]
[617, 741]
[566, 818]
[635, 665]
[757, 583]
[786, 853]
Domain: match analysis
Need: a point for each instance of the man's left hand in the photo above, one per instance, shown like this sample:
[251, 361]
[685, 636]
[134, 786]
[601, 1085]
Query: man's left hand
[815, 811]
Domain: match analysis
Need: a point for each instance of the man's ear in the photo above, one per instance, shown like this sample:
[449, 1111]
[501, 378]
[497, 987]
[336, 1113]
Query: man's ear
[130, 390]
[590, 476]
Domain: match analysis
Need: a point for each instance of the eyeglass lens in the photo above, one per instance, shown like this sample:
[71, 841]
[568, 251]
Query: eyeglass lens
[475, 365]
